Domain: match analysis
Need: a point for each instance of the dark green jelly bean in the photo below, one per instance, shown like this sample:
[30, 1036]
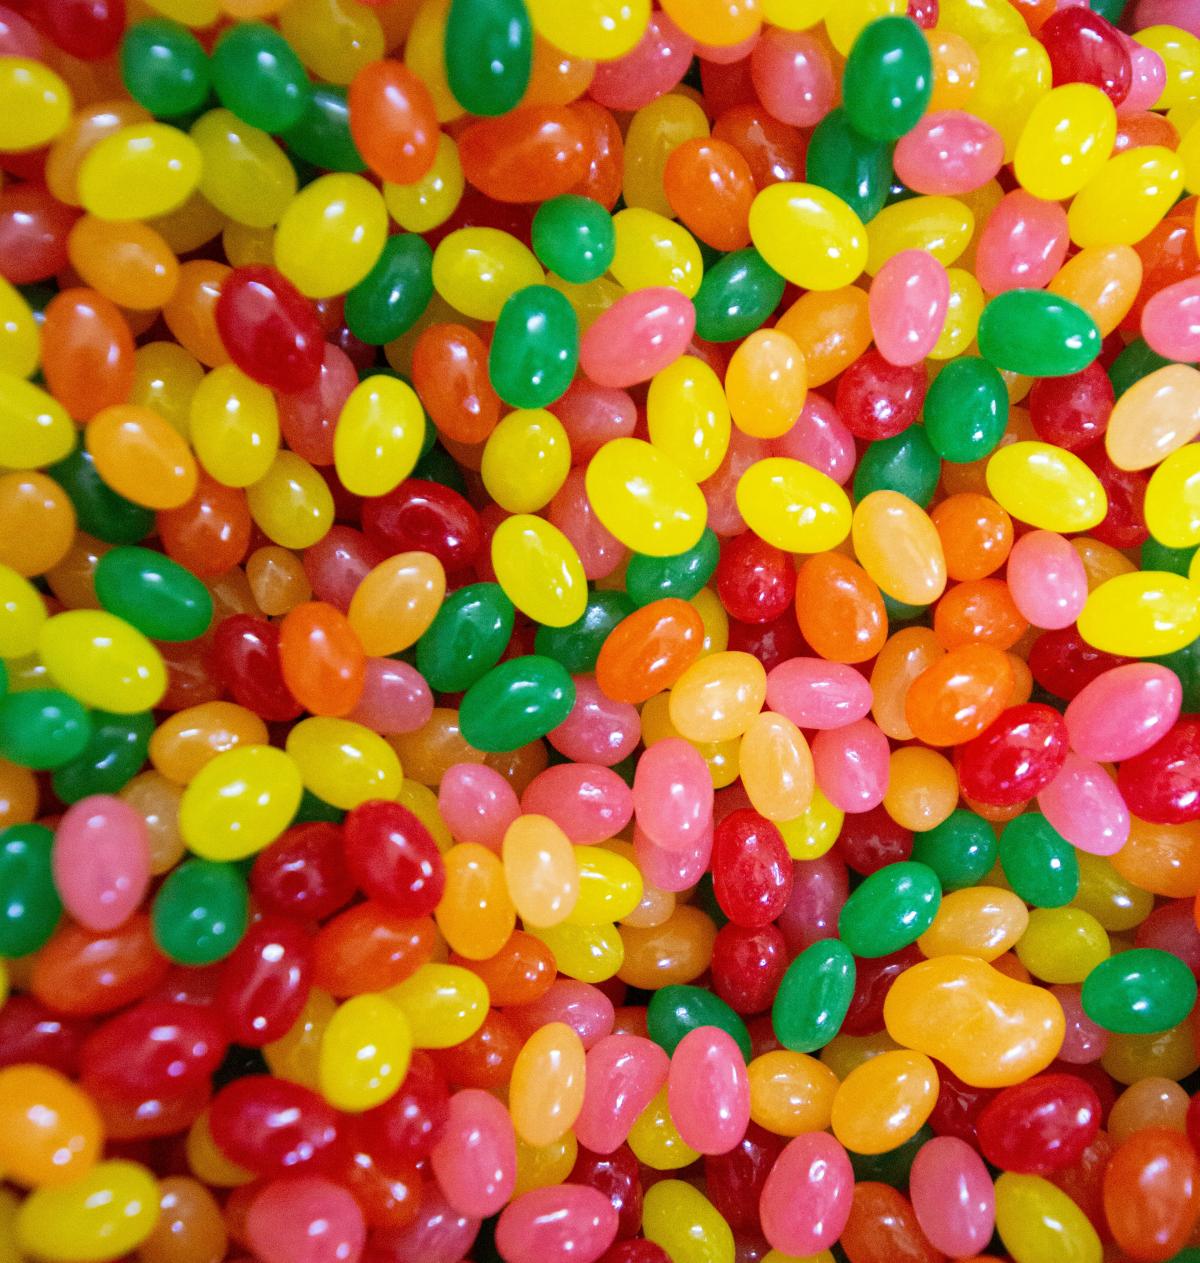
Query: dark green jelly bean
[1136, 361]
[489, 54]
[888, 78]
[43, 728]
[158, 596]
[322, 133]
[111, 759]
[200, 912]
[1185, 663]
[29, 903]
[257, 76]
[894, 1166]
[961, 850]
[1112, 10]
[437, 465]
[676, 1010]
[813, 996]
[1038, 334]
[891, 909]
[682, 575]
[515, 703]
[3, 678]
[1156, 556]
[535, 347]
[164, 67]
[1139, 992]
[736, 296]
[392, 296]
[901, 611]
[466, 638]
[1038, 862]
[904, 463]
[966, 410]
[99, 510]
[313, 808]
[574, 238]
[855, 167]
[577, 646]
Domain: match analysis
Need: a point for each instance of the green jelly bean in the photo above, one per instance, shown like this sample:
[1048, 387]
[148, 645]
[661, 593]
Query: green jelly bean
[1139, 992]
[43, 728]
[1112, 10]
[313, 808]
[901, 611]
[577, 646]
[200, 912]
[1136, 361]
[1185, 663]
[574, 238]
[30, 907]
[392, 296]
[676, 1010]
[164, 67]
[736, 296]
[489, 54]
[961, 850]
[904, 463]
[466, 638]
[1038, 862]
[813, 996]
[535, 347]
[682, 575]
[966, 410]
[515, 703]
[437, 465]
[161, 598]
[888, 78]
[855, 167]
[1156, 556]
[111, 759]
[99, 510]
[322, 133]
[257, 76]
[894, 1166]
[891, 909]
[1038, 334]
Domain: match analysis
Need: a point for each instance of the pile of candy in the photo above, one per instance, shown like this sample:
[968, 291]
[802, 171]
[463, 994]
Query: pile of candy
[600, 631]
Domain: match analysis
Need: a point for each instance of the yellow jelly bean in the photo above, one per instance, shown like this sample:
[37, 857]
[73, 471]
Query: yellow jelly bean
[378, 437]
[1066, 140]
[1156, 416]
[963, 310]
[342, 762]
[940, 225]
[808, 235]
[1062, 945]
[680, 1219]
[333, 38]
[1039, 1223]
[645, 499]
[1109, 896]
[1126, 198]
[718, 696]
[610, 886]
[365, 1051]
[35, 104]
[542, 1166]
[708, 605]
[545, 1094]
[526, 459]
[291, 503]
[980, 20]
[331, 234]
[539, 570]
[240, 802]
[1173, 499]
[654, 250]
[35, 429]
[589, 953]
[1180, 51]
[103, 661]
[810, 834]
[688, 416]
[656, 1141]
[139, 172]
[1170, 1054]
[979, 921]
[477, 269]
[795, 15]
[245, 173]
[431, 200]
[444, 1004]
[898, 546]
[846, 18]
[20, 339]
[22, 613]
[165, 379]
[653, 133]
[600, 29]
[1046, 486]
[1014, 74]
[233, 426]
[103, 1215]
[206, 1162]
[295, 1056]
[777, 767]
[793, 506]
[1143, 614]
[885, 1101]
[540, 871]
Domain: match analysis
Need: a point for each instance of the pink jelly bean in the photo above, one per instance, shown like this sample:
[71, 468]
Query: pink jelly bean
[1171, 320]
[592, 415]
[589, 803]
[652, 67]
[338, 562]
[672, 793]
[805, 1202]
[598, 730]
[818, 438]
[727, 54]
[952, 1196]
[792, 76]
[1023, 243]
[101, 861]
[563, 1221]
[308, 418]
[571, 511]
[675, 868]
[305, 1219]
[1181, 13]
[813, 693]
[907, 306]
[624, 1074]
[1046, 579]
[638, 336]
[819, 889]
[708, 1090]
[721, 489]
[395, 698]
[475, 1159]
[437, 1234]
[949, 152]
[1083, 803]
[1083, 1040]
[851, 765]
[582, 1007]
[1124, 711]
[1148, 77]
[477, 804]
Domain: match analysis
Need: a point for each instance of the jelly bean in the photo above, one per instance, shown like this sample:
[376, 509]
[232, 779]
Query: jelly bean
[257, 75]
[660, 513]
[306, 1212]
[113, 1207]
[102, 661]
[200, 912]
[1047, 579]
[952, 1196]
[1049, 488]
[101, 862]
[378, 436]
[794, 507]
[474, 1161]
[269, 329]
[1036, 1220]
[908, 304]
[1153, 418]
[396, 602]
[331, 235]
[1138, 992]
[816, 1163]
[466, 637]
[154, 594]
[138, 172]
[1158, 614]
[1159, 1168]
[898, 547]
[684, 1223]
[813, 996]
[708, 1092]
[835, 251]
[1037, 334]
[1022, 245]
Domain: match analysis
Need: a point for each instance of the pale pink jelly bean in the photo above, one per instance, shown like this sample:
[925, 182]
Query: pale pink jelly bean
[851, 765]
[675, 869]
[101, 861]
[1124, 711]
[805, 1202]
[571, 511]
[792, 76]
[438, 1234]
[673, 794]
[652, 67]
[589, 803]
[952, 1196]
[1171, 320]
[1023, 244]
[582, 1007]
[395, 698]
[1047, 580]
[623, 1075]
[1083, 803]
[708, 1090]
[562, 1221]
[477, 804]
[1083, 1040]
[813, 693]
[593, 415]
[475, 1158]
[949, 152]
[1148, 73]
[907, 306]
[720, 490]
[638, 336]
[598, 730]
[818, 438]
